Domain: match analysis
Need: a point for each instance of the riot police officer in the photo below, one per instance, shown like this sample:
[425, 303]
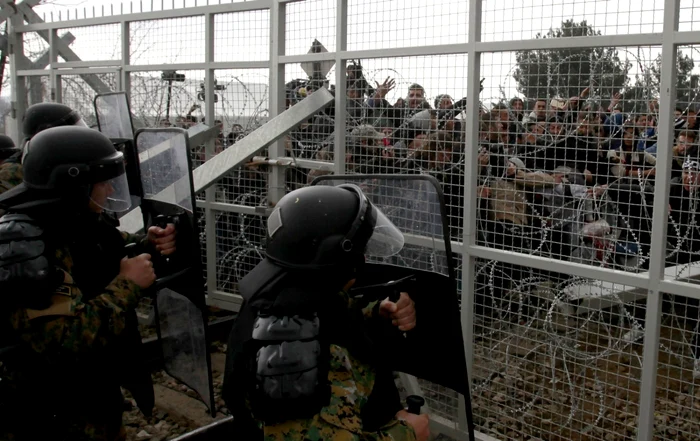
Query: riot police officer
[7, 148]
[305, 360]
[69, 292]
[37, 118]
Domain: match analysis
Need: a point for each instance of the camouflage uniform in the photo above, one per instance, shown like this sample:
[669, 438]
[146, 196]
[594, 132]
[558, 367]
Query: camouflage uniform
[352, 382]
[74, 339]
[10, 175]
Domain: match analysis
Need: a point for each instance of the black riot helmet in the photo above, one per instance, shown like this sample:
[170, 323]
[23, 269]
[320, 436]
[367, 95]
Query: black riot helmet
[44, 116]
[65, 164]
[324, 227]
[7, 147]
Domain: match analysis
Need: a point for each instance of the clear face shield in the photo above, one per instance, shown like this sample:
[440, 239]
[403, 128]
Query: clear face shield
[112, 195]
[386, 239]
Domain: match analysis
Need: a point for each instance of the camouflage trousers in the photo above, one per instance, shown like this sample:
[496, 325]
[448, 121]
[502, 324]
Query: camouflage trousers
[318, 429]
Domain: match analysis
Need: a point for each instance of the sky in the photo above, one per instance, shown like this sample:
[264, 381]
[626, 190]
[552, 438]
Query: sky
[372, 24]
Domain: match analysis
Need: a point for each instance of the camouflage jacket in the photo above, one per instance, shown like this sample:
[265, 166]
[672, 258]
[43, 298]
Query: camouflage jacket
[10, 176]
[352, 382]
[82, 334]
[75, 325]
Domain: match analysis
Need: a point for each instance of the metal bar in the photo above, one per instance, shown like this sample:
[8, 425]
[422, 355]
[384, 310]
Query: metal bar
[657, 263]
[255, 5]
[575, 269]
[210, 227]
[288, 161]
[208, 173]
[444, 426]
[36, 87]
[470, 202]
[83, 72]
[33, 72]
[210, 194]
[483, 437]
[224, 300]
[232, 208]
[9, 9]
[201, 133]
[572, 42]
[691, 37]
[199, 66]
[295, 59]
[100, 63]
[435, 243]
[277, 180]
[51, 55]
[66, 52]
[18, 85]
[488, 46]
[126, 57]
[341, 96]
[58, 97]
[680, 288]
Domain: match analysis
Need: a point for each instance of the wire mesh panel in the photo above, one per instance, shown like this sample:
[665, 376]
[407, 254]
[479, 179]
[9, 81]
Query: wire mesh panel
[677, 401]
[177, 40]
[241, 108]
[96, 42]
[503, 20]
[59, 11]
[240, 246]
[564, 162]
[567, 144]
[683, 237]
[242, 36]
[310, 27]
[556, 356]
[241, 101]
[35, 47]
[79, 95]
[405, 115]
[549, 368]
[38, 89]
[390, 24]
[689, 10]
[401, 118]
[166, 98]
[679, 352]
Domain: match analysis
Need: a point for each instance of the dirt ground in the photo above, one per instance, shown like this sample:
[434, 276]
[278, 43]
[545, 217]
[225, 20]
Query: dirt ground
[577, 379]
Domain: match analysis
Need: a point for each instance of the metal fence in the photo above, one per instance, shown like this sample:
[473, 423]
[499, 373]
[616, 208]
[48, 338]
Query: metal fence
[570, 182]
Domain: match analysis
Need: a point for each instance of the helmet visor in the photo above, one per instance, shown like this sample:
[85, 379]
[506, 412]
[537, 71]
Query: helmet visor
[112, 194]
[386, 239]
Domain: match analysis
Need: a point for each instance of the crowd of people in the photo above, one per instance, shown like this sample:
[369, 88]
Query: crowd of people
[567, 179]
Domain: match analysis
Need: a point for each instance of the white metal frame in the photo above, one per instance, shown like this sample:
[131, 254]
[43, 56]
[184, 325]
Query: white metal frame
[654, 282]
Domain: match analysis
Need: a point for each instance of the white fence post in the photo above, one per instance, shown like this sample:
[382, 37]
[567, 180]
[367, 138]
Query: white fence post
[657, 264]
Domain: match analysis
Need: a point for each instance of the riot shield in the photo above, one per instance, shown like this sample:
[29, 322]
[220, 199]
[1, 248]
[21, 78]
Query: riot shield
[425, 269]
[168, 197]
[114, 121]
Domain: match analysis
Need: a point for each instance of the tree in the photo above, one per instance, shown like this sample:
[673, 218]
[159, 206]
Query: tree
[646, 86]
[686, 81]
[565, 73]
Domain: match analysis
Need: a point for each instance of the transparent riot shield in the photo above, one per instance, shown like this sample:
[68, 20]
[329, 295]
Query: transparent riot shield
[114, 121]
[434, 350]
[168, 197]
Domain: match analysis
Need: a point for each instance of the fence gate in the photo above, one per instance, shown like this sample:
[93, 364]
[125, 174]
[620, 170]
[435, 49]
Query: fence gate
[564, 135]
